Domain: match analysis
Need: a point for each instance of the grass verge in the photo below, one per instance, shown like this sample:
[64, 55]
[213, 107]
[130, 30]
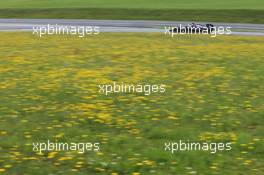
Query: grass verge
[235, 16]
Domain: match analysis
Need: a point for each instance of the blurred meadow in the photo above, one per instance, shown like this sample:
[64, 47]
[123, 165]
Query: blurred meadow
[214, 93]
[238, 11]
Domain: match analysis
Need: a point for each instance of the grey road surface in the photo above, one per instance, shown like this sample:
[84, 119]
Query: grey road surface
[123, 25]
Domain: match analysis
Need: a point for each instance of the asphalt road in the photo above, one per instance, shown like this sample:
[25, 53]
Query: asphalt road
[123, 25]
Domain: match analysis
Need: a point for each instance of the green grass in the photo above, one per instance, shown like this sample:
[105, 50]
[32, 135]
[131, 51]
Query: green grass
[48, 89]
[245, 11]
[149, 4]
[237, 16]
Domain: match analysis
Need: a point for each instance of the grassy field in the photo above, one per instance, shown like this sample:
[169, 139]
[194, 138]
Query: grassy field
[143, 4]
[236, 16]
[244, 11]
[48, 90]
